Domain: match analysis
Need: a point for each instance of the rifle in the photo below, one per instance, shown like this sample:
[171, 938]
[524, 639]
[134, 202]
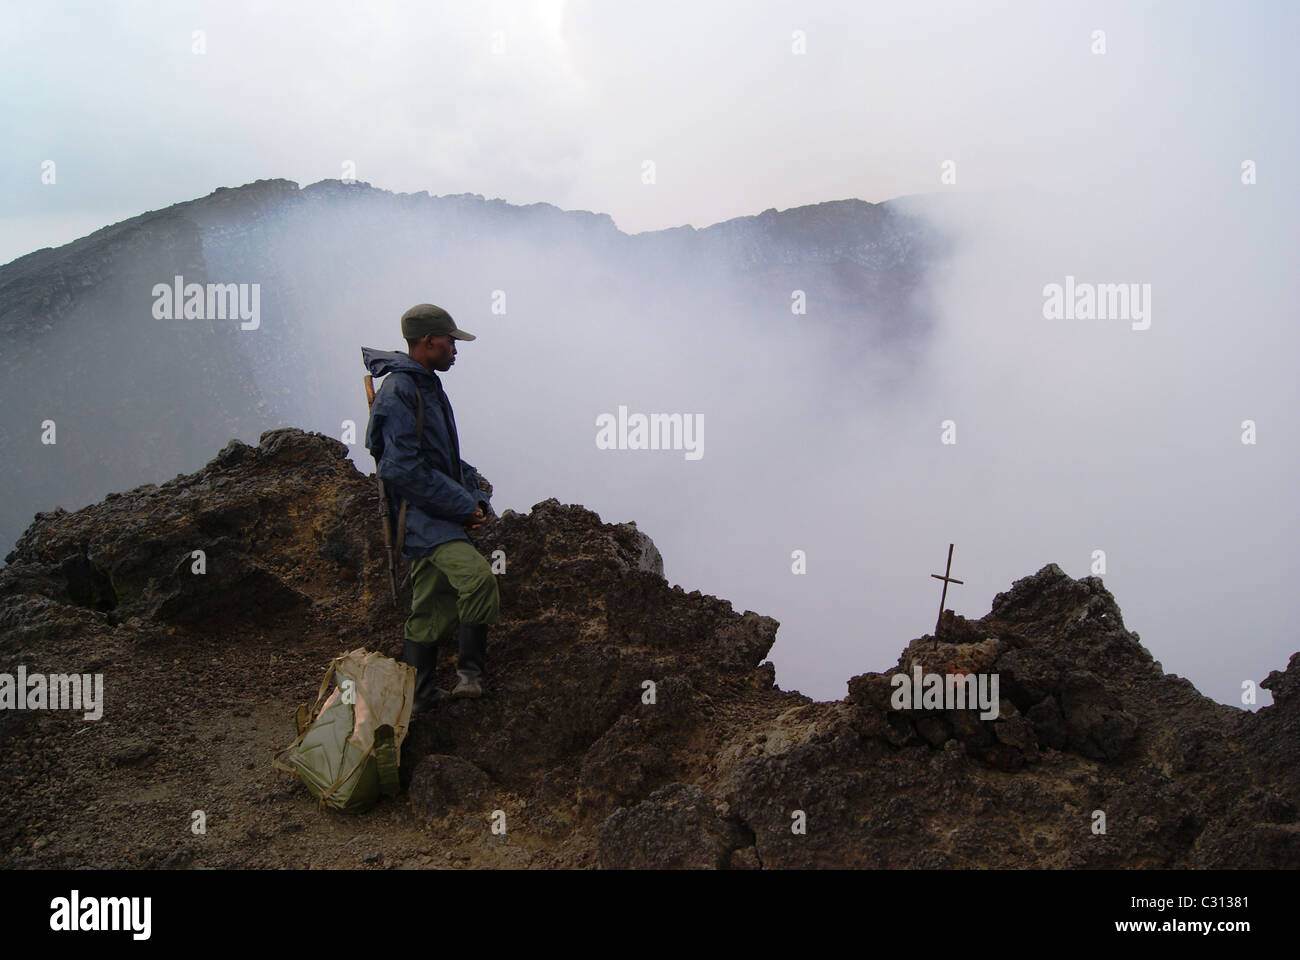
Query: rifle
[384, 512]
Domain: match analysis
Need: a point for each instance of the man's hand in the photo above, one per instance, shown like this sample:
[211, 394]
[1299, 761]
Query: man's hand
[475, 519]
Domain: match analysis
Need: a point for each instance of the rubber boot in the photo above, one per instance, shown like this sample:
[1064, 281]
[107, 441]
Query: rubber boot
[424, 657]
[469, 664]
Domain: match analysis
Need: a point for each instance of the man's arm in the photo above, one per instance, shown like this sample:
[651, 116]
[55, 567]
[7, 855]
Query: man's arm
[400, 465]
[471, 481]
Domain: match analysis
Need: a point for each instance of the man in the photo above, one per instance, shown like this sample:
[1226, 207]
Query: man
[453, 590]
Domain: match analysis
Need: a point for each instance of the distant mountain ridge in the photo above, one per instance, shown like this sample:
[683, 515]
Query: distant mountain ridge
[133, 397]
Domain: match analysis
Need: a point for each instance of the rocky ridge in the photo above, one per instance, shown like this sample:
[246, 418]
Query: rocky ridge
[202, 675]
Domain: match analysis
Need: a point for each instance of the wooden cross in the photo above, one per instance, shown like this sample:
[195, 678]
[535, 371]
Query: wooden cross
[946, 580]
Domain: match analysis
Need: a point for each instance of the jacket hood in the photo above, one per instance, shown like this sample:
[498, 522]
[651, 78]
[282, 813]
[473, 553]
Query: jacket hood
[383, 362]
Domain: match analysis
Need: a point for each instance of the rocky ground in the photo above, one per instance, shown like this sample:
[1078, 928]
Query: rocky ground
[202, 674]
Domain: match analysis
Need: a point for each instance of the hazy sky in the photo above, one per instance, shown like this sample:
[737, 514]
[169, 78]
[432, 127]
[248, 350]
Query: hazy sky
[1113, 167]
[581, 94]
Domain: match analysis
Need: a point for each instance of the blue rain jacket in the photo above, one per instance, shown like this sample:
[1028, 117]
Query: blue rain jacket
[440, 488]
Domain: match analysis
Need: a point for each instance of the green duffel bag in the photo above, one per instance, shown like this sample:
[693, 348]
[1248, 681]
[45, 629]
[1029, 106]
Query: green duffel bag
[349, 745]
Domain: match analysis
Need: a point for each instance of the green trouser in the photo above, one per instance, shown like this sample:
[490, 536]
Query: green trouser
[451, 586]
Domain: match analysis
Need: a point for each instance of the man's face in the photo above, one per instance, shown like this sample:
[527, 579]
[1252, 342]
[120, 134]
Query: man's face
[442, 351]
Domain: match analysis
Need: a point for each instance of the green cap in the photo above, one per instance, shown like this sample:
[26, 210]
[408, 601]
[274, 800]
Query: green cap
[426, 318]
